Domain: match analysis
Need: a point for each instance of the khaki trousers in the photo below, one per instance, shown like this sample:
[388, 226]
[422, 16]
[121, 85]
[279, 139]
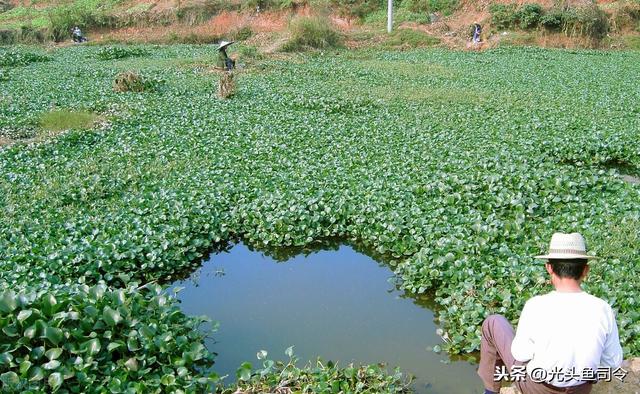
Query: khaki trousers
[495, 351]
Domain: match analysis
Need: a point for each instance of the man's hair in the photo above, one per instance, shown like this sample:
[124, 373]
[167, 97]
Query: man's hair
[568, 268]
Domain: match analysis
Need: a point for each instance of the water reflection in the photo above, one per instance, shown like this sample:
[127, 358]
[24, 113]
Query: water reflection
[337, 304]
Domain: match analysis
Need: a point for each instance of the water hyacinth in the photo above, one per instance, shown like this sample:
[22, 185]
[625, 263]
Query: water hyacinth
[132, 339]
[457, 166]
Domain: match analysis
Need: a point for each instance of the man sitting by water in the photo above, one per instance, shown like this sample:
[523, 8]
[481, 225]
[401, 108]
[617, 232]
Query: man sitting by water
[563, 337]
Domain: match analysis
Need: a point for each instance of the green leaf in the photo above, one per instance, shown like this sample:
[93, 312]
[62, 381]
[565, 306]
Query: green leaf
[30, 332]
[55, 381]
[54, 335]
[53, 354]
[132, 364]
[10, 379]
[36, 374]
[51, 365]
[168, 380]
[111, 316]
[10, 330]
[49, 303]
[8, 302]
[289, 351]
[244, 372]
[6, 358]
[97, 292]
[24, 366]
[24, 315]
[92, 346]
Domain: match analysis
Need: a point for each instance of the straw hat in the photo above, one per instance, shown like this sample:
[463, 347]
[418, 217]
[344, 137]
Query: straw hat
[567, 246]
[224, 44]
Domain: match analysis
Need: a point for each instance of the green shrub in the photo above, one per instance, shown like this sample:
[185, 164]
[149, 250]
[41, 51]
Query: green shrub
[315, 32]
[446, 7]
[86, 14]
[59, 120]
[198, 12]
[249, 52]
[507, 16]
[120, 52]
[587, 21]
[192, 38]
[7, 37]
[401, 14]
[411, 38]
[31, 35]
[552, 19]
[14, 57]
[272, 4]
[241, 34]
[357, 8]
[5, 5]
[529, 15]
[626, 16]
[503, 16]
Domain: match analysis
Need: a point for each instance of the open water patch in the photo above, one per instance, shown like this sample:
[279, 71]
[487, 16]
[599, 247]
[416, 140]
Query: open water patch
[338, 304]
[627, 172]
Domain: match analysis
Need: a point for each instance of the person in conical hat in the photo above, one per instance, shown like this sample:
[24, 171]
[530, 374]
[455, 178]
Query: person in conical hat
[563, 337]
[224, 61]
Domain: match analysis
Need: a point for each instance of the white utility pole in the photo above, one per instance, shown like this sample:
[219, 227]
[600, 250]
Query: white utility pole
[389, 16]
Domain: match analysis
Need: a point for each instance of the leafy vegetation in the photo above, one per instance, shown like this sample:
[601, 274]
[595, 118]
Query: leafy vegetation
[446, 7]
[85, 13]
[17, 57]
[581, 20]
[120, 52]
[411, 39]
[529, 15]
[503, 16]
[459, 176]
[316, 32]
[323, 377]
[131, 339]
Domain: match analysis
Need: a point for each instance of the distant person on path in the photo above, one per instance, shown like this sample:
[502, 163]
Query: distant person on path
[563, 337]
[477, 32]
[224, 61]
[76, 33]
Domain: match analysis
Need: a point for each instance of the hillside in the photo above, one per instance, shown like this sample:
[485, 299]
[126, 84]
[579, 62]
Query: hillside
[542, 22]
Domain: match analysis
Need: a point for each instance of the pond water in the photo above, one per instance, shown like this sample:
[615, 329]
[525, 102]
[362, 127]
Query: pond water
[336, 304]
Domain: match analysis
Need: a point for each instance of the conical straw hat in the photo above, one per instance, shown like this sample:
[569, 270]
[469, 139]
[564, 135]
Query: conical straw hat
[224, 44]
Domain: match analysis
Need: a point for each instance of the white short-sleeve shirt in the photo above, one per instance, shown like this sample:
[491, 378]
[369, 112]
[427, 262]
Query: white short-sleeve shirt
[567, 331]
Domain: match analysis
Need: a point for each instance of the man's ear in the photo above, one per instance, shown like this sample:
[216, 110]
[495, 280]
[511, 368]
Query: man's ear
[585, 271]
[548, 267]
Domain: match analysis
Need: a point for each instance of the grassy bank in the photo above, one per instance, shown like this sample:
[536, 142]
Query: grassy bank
[601, 24]
[458, 165]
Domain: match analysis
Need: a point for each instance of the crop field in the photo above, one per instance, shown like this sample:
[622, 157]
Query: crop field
[455, 166]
